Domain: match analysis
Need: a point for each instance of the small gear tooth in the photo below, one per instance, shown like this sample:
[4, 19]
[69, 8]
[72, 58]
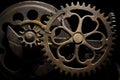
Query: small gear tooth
[21, 32]
[45, 22]
[62, 7]
[106, 17]
[94, 7]
[103, 14]
[113, 25]
[29, 27]
[78, 4]
[67, 5]
[109, 22]
[114, 17]
[113, 21]
[83, 4]
[72, 4]
[89, 5]
[98, 10]
[30, 45]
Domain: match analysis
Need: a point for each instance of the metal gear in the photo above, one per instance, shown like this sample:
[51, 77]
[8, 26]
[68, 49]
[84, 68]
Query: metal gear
[83, 47]
[31, 34]
[22, 22]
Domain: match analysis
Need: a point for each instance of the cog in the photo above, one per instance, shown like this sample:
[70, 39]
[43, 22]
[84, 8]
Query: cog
[32, 34]
[84, 46]
[23, 22]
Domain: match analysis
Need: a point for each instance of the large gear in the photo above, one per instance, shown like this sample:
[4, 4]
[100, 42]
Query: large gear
[21, 25]
[82, 48]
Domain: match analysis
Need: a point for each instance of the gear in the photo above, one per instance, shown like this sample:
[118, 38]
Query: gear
[23, 23]
[31, 34]
[84, 46]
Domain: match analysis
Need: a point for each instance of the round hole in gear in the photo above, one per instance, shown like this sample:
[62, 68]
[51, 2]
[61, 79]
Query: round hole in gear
[32, 14]
[18, 16]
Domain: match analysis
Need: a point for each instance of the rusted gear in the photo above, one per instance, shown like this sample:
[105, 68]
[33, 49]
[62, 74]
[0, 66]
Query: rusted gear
[23, 23]
[31, 34]
[82, 48]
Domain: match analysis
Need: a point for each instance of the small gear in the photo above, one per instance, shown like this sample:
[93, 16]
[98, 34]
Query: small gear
[32, 34]
[85, 45]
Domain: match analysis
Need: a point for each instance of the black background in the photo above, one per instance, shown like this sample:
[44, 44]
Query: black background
[106, 6]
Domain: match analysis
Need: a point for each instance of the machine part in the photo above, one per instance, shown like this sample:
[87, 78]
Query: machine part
[22, 25]
[85, 46]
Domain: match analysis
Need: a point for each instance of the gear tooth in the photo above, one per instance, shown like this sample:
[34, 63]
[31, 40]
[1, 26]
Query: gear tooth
[62, 7]
[109, 23]
[21, 32]
[29, 28]
[89, 5]
[67, 5]
[45, 22]
[98, 10]
[94, 7]
[30, 45]
[83, 4]
[114, 21]
[106, 17]
[78, 4]
[113, 25]
[72, 4]
[103, 14]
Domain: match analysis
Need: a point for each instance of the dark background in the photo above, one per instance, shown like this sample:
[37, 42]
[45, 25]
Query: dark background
[106, 6]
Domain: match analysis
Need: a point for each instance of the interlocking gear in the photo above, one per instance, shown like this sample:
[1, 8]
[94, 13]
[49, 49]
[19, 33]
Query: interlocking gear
[31, 34]
[85, 45]
[22, 25]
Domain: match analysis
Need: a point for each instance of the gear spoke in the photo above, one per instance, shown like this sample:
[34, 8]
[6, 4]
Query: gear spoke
[97, 38]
